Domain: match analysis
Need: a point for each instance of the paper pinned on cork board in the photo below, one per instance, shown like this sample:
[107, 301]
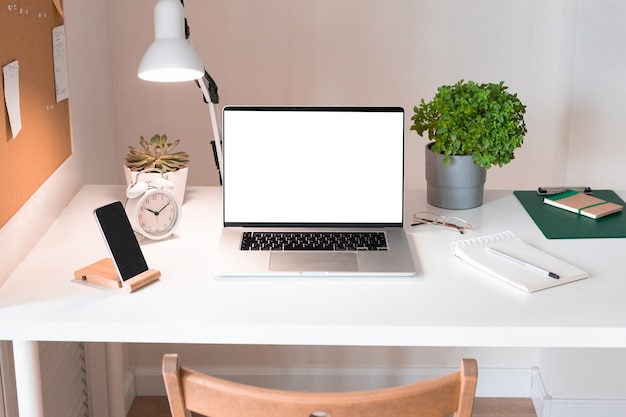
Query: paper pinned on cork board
[11, 74]
[61, 84]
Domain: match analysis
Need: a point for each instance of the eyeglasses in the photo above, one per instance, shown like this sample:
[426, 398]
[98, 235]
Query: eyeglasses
[426, 217]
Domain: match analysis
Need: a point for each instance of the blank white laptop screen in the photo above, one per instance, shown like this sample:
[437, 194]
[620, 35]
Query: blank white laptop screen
[313, 166]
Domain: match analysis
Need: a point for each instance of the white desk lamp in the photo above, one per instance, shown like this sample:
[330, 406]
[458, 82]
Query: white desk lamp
[172, 58]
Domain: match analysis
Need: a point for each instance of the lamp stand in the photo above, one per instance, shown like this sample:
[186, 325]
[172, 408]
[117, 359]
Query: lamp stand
[209, 91]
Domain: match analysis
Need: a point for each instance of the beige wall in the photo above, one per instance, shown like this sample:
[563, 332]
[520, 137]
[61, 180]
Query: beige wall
[356, 52]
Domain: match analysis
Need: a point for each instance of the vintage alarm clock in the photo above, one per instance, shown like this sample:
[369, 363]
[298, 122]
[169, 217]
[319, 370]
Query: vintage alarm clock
[153, 210]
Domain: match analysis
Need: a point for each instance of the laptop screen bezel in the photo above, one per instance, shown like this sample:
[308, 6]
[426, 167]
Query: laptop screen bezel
[257, 224]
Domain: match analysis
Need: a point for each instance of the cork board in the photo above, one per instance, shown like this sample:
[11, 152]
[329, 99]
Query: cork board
[44, 141]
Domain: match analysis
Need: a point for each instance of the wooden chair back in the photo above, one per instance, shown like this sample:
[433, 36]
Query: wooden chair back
[189, 390]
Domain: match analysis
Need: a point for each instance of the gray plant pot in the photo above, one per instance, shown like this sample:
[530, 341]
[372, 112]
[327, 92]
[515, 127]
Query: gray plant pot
[458, 185]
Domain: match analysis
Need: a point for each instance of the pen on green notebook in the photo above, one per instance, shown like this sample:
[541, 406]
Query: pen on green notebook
[522, 263]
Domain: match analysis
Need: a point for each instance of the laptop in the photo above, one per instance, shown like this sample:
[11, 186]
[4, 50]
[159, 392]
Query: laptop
[313, 191]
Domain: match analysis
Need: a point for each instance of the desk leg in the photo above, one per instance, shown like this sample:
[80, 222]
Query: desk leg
[28, 378]
[115, 379]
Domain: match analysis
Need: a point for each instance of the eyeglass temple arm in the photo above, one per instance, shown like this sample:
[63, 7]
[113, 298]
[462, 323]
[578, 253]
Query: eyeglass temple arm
[460, 229]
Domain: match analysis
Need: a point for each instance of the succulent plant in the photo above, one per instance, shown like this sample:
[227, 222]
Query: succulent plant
[156, 153]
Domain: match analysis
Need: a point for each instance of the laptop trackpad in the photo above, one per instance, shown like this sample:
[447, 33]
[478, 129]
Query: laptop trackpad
[313, 261]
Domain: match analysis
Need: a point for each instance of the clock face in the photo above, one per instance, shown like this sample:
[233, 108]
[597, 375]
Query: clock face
[158, 214]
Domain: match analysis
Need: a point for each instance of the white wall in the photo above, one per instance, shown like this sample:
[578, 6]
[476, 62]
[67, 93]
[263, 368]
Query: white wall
[353, 52]
[598, 96]
[563, 57]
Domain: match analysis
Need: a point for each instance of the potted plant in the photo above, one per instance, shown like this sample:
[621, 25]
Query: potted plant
[473, 126]
[156, 158]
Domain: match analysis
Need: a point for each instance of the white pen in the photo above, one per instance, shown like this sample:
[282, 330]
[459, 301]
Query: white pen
[522, 263]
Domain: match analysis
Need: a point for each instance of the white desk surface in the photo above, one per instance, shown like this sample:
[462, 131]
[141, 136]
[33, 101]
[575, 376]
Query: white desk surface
[449, 303]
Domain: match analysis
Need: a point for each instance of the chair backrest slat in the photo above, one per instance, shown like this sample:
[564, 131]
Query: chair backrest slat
[189, 390]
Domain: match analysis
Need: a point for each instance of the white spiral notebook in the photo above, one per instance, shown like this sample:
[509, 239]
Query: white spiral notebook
[510, 259]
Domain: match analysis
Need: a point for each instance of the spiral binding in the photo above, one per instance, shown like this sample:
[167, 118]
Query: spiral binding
[496, 237]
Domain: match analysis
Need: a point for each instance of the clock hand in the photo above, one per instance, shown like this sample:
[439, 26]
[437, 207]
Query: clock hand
[152, 211]
[162, 208]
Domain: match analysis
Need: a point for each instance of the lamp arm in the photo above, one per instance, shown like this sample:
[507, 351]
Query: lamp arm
[209, 92]
[205, 85]
[213, 96]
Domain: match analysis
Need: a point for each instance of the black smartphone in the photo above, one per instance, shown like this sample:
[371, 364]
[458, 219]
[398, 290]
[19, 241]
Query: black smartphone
[120, 240]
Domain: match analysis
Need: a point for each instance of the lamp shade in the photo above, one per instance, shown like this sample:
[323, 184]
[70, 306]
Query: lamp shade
[171, 57]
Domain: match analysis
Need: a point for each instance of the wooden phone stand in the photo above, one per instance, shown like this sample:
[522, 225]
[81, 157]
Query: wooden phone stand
[103, 273]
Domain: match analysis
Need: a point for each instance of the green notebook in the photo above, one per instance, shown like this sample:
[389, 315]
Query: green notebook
[556, 223]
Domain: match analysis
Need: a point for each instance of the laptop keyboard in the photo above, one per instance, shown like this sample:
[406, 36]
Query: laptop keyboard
[312, 241]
